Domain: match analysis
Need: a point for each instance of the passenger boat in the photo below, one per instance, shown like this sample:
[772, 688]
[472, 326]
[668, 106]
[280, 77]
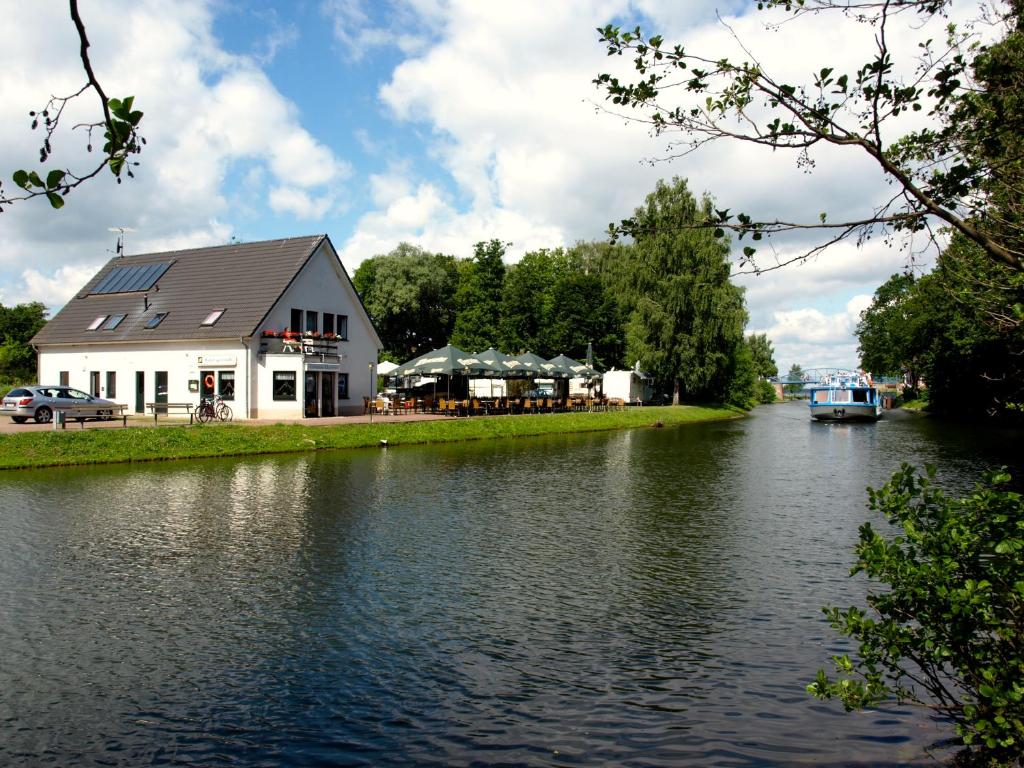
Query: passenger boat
[845, 396]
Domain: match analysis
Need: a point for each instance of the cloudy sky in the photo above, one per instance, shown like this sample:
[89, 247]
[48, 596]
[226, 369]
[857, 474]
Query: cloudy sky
[438, 122]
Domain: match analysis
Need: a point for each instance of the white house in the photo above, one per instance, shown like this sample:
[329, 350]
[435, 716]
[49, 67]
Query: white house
[276, 328]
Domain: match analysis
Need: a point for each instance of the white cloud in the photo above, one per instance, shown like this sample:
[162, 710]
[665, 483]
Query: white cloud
[812, 338]
[54, 289]
[298, 202]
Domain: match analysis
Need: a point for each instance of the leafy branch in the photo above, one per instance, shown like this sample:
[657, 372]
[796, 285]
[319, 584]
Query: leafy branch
[120, 131]
[961, 173]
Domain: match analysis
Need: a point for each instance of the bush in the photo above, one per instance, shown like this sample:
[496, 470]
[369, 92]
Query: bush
[765, 392]
[946, 631]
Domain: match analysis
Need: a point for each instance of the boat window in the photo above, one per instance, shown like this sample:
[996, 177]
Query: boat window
[840, 396]
[860, 395]
[821, 396]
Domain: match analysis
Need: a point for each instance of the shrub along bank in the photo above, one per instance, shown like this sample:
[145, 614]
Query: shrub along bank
[106, 446]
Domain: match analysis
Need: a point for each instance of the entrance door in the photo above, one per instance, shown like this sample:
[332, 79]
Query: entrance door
[161, 389]
[140, 392]
[94, 383]
[310, 398]
[326, 394]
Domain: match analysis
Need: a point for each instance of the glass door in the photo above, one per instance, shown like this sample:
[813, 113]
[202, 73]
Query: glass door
[140, 391]
[326, 394]
[310, 400]
[160, 380]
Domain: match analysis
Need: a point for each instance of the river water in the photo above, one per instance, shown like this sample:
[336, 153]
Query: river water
[647, 597]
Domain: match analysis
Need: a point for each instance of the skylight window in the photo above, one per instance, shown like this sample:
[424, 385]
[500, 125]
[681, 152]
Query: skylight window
[156, 319]
[213, 317]
[113, 322]
[96, 323]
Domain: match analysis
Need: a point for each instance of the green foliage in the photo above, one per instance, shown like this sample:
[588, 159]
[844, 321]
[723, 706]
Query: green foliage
[18, 324]
[687, 319]
[959, 328]
[961, 166]
[558, 302]
[765, 392]
[947, 628]
[886, 332]
[795, 372]
[763, 354]
[478, 298]
[410, 295]
[743, 383]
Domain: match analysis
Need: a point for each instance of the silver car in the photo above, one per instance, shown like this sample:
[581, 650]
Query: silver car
[39, 402]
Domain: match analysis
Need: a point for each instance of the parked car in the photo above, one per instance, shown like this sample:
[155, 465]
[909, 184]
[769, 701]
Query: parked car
[37, 401]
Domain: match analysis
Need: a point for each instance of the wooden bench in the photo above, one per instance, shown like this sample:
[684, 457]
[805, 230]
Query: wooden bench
[165, 408]
[83, 412]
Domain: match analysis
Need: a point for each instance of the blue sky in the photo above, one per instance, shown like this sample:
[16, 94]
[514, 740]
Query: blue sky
[439, 122]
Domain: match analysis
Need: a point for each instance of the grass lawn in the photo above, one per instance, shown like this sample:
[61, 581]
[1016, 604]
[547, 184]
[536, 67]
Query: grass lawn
[105, 446]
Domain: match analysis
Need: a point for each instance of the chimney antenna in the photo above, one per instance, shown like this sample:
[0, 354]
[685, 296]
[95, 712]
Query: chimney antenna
[119, 251]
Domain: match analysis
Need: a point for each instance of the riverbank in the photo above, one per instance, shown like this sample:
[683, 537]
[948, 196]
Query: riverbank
[110, 446]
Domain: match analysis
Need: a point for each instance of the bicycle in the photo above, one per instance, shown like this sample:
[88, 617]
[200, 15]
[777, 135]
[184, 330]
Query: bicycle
[211, 408]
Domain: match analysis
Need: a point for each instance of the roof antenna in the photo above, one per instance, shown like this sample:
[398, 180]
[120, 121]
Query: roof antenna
[119, 251]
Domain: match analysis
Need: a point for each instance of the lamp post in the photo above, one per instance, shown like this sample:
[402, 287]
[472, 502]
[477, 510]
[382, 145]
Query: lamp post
[370, 367]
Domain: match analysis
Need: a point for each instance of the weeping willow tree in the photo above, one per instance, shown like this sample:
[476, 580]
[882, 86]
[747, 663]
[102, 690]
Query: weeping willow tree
[686, 321]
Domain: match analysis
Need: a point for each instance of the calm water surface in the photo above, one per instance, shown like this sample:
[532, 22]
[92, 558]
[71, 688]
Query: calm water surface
[645, 598]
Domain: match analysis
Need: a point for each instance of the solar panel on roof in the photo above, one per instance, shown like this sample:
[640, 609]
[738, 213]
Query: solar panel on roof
[139, 277]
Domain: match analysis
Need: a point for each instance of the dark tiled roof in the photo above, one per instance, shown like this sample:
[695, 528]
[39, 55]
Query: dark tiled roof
[245, 280]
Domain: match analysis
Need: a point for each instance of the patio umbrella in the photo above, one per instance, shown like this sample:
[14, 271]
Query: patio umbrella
[386, 368]
[498, 365]
[446, 361]
[572, 368]
[529, 364]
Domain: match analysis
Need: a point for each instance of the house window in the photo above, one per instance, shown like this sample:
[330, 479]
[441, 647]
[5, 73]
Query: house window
[226, 385]
[111, 384]
[343, 386]
[156, 319]
[311, 321]
[284, 385]
[341, 323]
[328, 322]
[296, 324]
[96, 323]
[213, 317]
[113, 322]
[65, 378]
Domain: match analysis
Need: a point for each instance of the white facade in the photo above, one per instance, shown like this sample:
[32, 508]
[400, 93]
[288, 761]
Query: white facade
[253, 374]
[629, 386]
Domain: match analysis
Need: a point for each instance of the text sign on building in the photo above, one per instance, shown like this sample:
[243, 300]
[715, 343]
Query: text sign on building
[222, 361]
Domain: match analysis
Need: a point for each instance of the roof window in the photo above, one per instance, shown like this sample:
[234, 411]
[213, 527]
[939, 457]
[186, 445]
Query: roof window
[113, 322]
[213, 317]
[156, 319]
[96, 323]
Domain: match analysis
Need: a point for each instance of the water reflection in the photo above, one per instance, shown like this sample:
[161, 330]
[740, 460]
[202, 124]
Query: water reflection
[648, 596]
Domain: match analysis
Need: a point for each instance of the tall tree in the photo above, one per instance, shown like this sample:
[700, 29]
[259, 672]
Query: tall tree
[688, 319]
[526, 299]
[409, 294]
[967, 156]
[795, 373]
[888, 344]
[763, 355]
[478, 298]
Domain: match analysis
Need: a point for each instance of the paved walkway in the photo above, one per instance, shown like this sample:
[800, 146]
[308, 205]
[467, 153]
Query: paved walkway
[7, 426]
